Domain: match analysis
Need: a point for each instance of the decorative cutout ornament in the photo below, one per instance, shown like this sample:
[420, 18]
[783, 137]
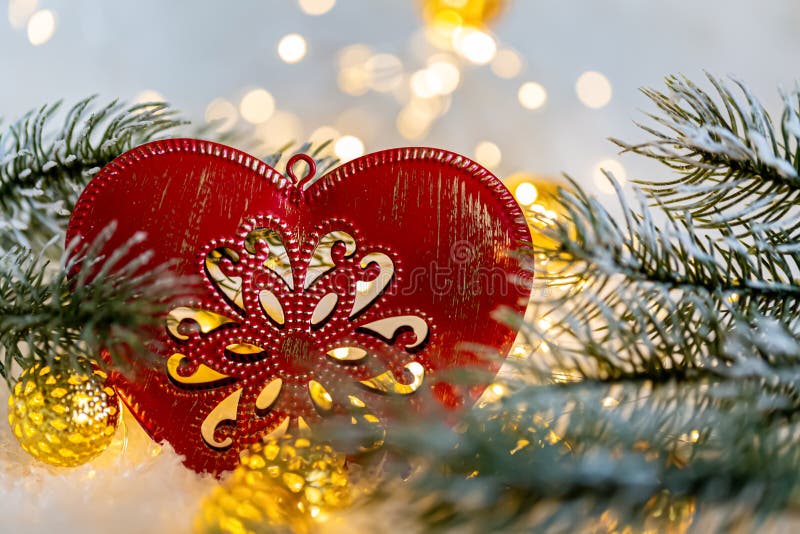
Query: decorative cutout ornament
[319, 298]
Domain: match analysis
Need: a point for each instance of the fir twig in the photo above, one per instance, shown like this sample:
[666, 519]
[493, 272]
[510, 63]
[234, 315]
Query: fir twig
[734, 165]
[44, 168]
[651, 298]
[567, 458]
[85, 305]
[679, 322]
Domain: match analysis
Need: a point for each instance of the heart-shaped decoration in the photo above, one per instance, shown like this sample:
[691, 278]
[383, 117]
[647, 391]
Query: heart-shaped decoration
[319, 298]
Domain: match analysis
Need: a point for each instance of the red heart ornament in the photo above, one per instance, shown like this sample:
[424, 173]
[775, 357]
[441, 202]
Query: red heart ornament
[317, 298]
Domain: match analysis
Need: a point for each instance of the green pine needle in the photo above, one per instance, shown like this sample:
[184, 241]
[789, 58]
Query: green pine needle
[734, 165]
[43, 167]
[88, 304]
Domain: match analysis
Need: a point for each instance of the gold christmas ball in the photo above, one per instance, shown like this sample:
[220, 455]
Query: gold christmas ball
[287, 482]
[61, 415]
[663, 513]
[538, 198]
[458, 13]
[536, 195]
[669, 514]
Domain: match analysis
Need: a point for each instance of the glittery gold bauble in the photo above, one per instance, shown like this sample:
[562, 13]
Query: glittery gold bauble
[287, 482]
[474, 13]
[61, 415]
[663, 513]
[538, 198]
[668, 514]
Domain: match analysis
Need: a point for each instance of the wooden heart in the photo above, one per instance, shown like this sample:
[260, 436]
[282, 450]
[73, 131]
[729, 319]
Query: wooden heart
[325, 297]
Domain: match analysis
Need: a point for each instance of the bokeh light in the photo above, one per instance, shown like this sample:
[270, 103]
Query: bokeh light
[488, 154]
[353, 81]
[423, 84]
[19, 11]
[223, 113]
[445, 73]
[612, 166]
[416, 118]
[412, 123]
[476, 46]
[441, 77]
[526, 193]
[507, 63]
[148, 95]
[41, 27]
[361, 122]
[383, 72]
[257, 106]
[532, 95]
[593, 89]
[475, 13]
[353, 78]
[324, 133]
[354, 55]
[316, 7]
[292, 48]
[349, 147]
[283, 127]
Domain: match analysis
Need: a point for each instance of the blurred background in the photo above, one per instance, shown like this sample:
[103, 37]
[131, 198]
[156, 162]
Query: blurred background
[529, 85]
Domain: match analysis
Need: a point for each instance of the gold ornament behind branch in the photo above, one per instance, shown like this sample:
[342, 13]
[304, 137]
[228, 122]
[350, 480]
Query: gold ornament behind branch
[539, 200]
[286, 482]
[471, 13]
[61, 415]
[555, 276]
[462, 26]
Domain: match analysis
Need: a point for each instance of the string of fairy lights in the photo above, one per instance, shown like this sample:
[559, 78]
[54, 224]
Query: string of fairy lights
[455, 37]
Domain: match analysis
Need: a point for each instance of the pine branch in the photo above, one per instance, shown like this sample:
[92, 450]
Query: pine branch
[44, 168]
[43, 311]
[647, 297]
[80, 308]
[733, 167]
[678, 322]
[562, 457]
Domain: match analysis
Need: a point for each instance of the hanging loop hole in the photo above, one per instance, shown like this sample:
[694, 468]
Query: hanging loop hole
[311, 166]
